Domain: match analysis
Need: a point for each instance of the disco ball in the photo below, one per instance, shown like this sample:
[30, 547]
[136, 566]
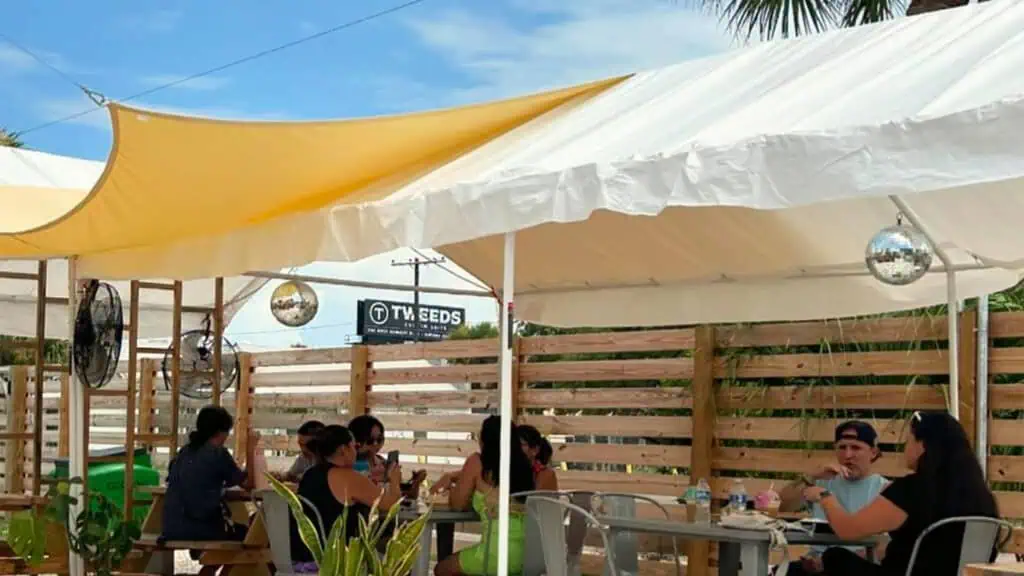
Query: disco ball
[898, 255]
[294, 303]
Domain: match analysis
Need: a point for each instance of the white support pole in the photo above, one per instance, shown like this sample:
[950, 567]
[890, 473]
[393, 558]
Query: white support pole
[952, 305]
[76, 410]
[504, 469]
[981, 401]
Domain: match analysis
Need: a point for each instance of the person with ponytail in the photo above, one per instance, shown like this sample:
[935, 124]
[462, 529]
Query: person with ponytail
[538, 450]
[197, 476]
[476, 487]
[945, 481]
[333, 485]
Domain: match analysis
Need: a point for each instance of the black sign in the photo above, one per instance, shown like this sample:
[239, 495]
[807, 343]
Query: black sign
[386, 321]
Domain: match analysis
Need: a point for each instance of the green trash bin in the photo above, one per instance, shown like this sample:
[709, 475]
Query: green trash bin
[108, 478]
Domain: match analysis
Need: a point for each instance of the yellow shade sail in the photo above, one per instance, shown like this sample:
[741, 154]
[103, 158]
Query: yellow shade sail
[172, 178]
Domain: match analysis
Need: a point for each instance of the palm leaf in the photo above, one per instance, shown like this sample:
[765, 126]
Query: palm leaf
[307, 531]
[334, 551]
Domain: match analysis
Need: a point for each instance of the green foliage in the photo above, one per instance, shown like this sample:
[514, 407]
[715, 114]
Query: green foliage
[98, 534]
[340, 556]
[54, 352]
[10, 139]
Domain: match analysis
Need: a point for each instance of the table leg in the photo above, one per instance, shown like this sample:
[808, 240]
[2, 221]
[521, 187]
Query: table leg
[422, 567]
[754, 559]
[728, 559]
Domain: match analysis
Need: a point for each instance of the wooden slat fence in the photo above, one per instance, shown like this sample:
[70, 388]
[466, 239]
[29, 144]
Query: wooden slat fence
[619, 406]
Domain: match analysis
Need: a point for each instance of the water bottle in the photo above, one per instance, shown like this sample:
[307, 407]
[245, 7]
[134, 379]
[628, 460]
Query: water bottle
[702, 513]
[737, 497]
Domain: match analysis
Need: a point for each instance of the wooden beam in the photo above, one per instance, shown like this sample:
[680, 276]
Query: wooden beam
[243, 405]
[359, 381]
[517, 359]
[129, 428]
[176, 367]
[218, 336]
[37, 421]
[968, 363]
[705, 413]
[147, 392]
[16, 415]
[63, 445]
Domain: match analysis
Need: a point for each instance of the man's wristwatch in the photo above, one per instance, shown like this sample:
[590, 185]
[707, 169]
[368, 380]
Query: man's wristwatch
[823, 495]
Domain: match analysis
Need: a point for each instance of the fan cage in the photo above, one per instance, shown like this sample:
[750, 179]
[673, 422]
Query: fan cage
[200, 386]
[99, 332]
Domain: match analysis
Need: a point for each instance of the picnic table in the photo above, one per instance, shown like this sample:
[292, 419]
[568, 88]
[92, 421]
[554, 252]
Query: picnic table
[249, 557]
[1014, 569]
[422, 566]
[741, 552]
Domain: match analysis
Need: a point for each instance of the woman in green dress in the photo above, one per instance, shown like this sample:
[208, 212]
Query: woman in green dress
[476, 487]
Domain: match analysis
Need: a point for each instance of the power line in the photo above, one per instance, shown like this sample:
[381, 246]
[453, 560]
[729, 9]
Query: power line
[243, 60]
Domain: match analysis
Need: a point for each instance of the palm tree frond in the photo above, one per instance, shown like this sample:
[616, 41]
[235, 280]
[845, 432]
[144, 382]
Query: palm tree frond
[869, 11]
[10, 139]
[772, 18]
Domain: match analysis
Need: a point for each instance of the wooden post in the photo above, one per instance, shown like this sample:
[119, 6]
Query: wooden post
[176, 368]
[705, 413]
[63, 445]
[37, 414]
[243, 405]
[129, 415]
[359, 387]
[516, 384]
[147, 392]
[968, 364]
[218, 336]
[16, 423]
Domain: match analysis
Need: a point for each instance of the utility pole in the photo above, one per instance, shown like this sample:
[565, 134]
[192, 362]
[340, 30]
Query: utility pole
[415, 263]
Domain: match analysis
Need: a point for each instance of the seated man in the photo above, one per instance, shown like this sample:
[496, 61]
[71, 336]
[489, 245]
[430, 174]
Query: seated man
[306, 459]
[850, 480]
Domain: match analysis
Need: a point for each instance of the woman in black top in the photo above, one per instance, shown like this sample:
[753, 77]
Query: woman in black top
[946, 482]
[332, 484]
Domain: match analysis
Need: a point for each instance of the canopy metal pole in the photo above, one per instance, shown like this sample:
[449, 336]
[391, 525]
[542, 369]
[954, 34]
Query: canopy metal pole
[504, 469]
[76, 409]
[952, 305]
[981, 402]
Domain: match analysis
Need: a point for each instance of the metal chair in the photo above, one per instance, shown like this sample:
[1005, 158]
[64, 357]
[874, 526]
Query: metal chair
[533, 556]
[627, 552]
[277, 519]
[981, 537]
[550, 514]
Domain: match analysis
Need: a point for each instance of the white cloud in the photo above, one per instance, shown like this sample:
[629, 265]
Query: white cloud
[203, 83]
[14, 60]
[158, 21]
[576, 41]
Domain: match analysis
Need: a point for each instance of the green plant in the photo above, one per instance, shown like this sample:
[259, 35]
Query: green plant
[98, 534]
[342, 556]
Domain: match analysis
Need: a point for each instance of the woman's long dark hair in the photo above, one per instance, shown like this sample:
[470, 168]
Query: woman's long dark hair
[521, 473]
[328, 440]
[534, 439]
[210, 421]
[953, 482]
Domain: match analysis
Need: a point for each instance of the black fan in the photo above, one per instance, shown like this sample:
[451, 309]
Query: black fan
[197, 350]
[99, 327]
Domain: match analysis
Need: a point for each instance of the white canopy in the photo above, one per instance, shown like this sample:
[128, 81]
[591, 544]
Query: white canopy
[51, 185]
[746, 186]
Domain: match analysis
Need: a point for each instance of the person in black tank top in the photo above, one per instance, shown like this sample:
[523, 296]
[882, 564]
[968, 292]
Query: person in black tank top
[326, 484]
[946, 481]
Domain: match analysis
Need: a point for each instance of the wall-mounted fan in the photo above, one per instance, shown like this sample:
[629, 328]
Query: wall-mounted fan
[197, 377]
[99, 327]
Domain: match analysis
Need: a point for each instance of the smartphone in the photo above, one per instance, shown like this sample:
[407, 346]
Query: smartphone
[392, 459]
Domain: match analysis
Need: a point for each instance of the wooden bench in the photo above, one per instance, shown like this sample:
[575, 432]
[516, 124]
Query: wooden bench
[149, 542]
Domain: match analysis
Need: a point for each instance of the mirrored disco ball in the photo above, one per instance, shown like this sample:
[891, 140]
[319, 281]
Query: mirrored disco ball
[294, 303]
[898, 255]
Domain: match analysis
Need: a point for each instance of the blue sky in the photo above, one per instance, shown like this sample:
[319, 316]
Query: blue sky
[437, 53]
